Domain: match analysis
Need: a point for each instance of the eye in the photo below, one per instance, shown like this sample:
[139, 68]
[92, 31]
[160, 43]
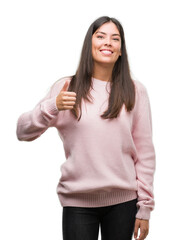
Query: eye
[116, 39]
[100, 37]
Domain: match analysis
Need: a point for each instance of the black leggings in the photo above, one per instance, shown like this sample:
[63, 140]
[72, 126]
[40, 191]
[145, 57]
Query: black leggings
[116, 222]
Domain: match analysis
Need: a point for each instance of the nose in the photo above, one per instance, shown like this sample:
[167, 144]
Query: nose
[108, 41]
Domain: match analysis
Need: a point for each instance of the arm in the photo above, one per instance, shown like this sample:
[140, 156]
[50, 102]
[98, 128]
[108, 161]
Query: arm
[32, 124]
[145, 162]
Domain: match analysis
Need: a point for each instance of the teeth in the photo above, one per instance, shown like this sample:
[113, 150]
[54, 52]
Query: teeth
[106, 52]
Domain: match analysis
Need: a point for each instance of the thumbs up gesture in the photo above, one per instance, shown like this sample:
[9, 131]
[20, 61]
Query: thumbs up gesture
[65, 100]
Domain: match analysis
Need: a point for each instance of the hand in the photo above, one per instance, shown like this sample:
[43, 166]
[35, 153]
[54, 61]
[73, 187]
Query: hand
[144, 228]
[65, 100]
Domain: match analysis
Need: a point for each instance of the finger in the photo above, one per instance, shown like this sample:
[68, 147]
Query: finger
[71, 94]
[67, 107]
[65, 86]
[136, 228]
[68, 103]
[66, 98]
[143, 235]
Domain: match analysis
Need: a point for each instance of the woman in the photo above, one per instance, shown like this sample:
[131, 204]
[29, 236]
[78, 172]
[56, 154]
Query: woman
[104, 120]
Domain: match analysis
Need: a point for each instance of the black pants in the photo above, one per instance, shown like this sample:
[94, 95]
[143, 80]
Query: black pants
[116, 222]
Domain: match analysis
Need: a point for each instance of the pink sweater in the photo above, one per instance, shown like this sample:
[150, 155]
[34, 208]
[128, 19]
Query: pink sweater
[108, 161]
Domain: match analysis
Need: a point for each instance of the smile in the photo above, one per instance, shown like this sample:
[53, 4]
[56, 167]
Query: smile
[106, 52]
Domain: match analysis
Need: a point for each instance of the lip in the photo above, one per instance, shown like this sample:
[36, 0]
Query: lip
[108, 50]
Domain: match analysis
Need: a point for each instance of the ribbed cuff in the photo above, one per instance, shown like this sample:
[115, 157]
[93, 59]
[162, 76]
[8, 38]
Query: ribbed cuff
[143, 213]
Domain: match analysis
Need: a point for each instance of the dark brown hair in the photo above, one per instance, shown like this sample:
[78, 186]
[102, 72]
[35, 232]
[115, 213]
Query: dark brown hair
[122, 86]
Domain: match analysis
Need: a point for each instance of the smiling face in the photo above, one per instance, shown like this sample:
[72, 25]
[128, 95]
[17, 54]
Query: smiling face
[106, 44]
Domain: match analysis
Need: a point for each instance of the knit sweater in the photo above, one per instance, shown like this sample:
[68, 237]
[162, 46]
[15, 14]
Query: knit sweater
[108, 161]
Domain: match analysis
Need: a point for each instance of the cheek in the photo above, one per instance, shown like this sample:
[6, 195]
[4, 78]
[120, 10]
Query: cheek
[118, 49]
[95, 48]
[96, 44]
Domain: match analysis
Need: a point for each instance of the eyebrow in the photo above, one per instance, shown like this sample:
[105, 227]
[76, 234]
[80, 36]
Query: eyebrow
[115, 34]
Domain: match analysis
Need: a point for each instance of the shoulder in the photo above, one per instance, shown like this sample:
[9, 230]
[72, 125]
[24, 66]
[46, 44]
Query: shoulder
[57, 86]
[140, 87]
[141, 91]
[142, 98]
[60, 82]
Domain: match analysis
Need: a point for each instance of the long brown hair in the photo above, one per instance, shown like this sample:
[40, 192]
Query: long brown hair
[122, 86]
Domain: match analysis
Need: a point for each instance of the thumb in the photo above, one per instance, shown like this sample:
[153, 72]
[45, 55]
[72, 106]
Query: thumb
[65, 86]
[136, 228]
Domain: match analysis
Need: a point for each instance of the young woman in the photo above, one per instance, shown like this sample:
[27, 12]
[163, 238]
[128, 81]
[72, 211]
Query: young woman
[103, 117]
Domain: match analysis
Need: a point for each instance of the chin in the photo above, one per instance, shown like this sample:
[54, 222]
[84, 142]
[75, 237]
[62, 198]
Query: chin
[106, 62]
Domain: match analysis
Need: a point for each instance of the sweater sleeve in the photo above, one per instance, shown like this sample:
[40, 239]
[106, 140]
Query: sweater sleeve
[32, 124]
[145, 162]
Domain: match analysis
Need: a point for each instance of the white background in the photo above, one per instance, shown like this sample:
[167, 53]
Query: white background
[41, 42]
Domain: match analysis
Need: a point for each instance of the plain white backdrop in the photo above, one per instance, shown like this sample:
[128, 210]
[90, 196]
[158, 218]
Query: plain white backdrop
[41, 42]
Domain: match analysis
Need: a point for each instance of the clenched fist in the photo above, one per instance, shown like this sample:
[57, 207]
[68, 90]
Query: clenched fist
[65, 100]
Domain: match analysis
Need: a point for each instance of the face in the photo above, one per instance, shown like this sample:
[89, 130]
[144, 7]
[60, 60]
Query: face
[106, 44]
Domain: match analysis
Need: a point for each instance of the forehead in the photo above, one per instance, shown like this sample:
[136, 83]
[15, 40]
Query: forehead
[108, 28]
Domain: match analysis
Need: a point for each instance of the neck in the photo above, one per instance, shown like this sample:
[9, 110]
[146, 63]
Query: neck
[103, 73]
